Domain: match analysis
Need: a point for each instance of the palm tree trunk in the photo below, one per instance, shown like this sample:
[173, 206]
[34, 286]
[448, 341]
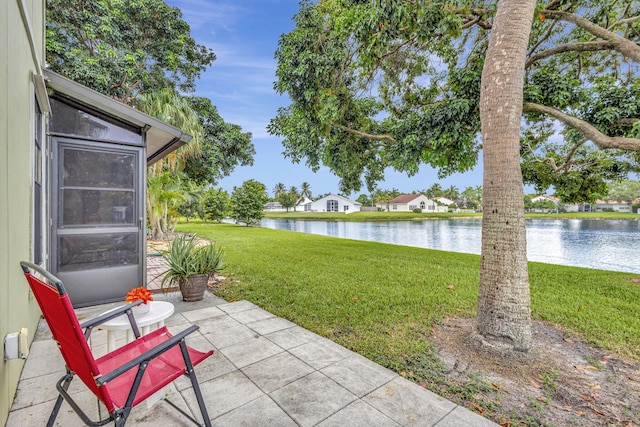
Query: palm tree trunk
[504, 314]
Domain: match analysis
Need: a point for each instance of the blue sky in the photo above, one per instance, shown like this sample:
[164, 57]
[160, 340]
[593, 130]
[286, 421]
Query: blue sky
[244, 35]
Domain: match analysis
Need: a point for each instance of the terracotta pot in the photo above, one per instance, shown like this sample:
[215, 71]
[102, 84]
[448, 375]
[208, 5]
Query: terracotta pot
[193, 287]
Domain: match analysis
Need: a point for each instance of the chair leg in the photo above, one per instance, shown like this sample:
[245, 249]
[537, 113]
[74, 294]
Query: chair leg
[194, 382]
[56, 407]
[62, 387]
[119, 421]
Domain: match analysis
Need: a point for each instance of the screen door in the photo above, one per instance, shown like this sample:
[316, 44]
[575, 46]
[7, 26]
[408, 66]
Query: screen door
[97, 219]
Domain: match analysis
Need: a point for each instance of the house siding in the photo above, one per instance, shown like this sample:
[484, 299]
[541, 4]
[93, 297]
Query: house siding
[429, 205]
[18, 61]
[321, 204]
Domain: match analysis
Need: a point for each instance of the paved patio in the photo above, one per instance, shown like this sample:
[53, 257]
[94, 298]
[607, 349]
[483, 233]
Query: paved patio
[265, 371]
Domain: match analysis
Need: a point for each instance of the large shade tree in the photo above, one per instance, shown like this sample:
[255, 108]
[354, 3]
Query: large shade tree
[223, 146]
[123, 47]
[504, 313]
[397, 84]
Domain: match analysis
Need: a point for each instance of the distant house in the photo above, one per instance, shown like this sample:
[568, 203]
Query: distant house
[552, 199]
[274, 207]
[602, 206]
[577, 207]
[409, 202]
[333, 203]
[550, 206]
[599, 206]
[444, 201]
[277, 206]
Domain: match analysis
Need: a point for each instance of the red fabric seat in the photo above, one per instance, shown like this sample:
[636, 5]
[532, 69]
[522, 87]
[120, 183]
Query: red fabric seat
[124, 377]
[161, 371]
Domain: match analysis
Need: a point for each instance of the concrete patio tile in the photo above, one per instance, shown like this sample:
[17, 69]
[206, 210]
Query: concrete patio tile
[44, 358]
[224, 394]
[250, 351]
[203, 313]
[224, 331]
[358, 374]
[292, 337]
[37, 415]
[236, 307]
[409, 404]
[359, 414]
[212, 367]
[311, 399]
[177, 320]
[217, 324]
[33, 391]
[253, 315]
[277, 371]
[208, 300]
[320, 353]
[260, 412]
[97, 338]
[195, 340]
[231, 336]
[269, 325]
[163, 413]
[462, 416]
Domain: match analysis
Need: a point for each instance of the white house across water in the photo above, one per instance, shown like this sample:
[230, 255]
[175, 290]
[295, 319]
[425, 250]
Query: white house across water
[333, 203]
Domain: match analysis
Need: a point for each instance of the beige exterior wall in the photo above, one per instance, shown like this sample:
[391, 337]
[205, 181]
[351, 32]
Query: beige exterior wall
[429, 204]
[17, 102]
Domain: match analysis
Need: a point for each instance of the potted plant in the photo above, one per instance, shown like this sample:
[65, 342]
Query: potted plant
[191, 261]
[140, 294]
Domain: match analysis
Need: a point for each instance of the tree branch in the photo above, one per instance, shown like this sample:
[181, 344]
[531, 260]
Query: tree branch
[628, 122]
[476, 18]
[629, 20]
[544, 38]
[624, 46]
[601, 140]
[569, 47]
[368, 135]
[568, 165]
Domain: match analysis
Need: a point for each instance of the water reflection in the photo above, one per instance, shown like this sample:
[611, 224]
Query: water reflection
[601, 244]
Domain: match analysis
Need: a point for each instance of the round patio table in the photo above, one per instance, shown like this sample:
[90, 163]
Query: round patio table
[158, 312]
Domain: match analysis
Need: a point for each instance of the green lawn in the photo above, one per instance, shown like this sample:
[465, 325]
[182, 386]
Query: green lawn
[382, 300]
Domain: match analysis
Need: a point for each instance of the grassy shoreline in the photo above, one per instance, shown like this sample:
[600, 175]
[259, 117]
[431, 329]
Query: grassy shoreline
[370, 296]
[410, 216]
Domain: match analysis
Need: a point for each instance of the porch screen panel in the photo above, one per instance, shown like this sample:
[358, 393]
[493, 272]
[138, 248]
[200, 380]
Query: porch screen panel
[98, 210]
[97, 188]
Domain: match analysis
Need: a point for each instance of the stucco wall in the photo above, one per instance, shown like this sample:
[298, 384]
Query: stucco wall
[17, 62]
[321, 204]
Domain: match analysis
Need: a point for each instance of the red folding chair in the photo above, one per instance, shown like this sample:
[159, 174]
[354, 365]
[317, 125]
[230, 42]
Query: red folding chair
[126, 376]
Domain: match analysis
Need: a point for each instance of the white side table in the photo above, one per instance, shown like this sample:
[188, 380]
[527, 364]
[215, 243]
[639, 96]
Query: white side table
[158, 312]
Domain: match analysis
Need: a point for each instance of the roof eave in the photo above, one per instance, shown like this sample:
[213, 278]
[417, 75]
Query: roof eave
[161, 138]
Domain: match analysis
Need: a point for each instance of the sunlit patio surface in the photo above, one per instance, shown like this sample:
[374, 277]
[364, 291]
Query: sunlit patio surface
[266, 371]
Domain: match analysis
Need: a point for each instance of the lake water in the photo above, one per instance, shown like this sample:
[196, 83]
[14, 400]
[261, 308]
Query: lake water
[601, 244]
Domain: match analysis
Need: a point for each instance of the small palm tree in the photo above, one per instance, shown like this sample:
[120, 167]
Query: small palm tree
[173, 109]
[278, 189]
[305, 191]
[162, 190]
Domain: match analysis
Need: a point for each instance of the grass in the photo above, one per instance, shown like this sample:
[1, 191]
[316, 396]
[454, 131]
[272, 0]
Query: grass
[400, 216]
[382, 300]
